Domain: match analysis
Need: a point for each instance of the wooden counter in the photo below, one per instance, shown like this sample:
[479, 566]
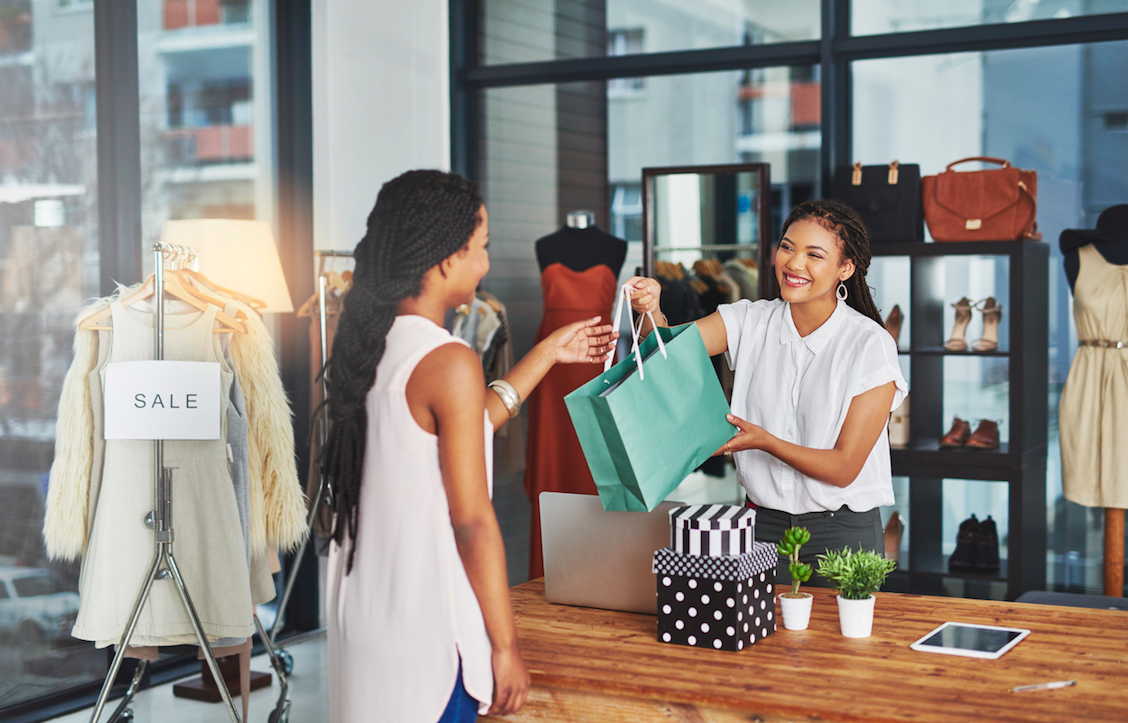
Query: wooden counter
[598, 665]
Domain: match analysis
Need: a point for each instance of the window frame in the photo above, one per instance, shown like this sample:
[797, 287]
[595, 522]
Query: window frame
[834, 52]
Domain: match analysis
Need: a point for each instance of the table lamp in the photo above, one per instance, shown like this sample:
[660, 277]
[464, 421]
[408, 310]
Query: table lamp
[240, 255]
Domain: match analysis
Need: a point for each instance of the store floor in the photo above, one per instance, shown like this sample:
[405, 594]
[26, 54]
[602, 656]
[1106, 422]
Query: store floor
[308, 694]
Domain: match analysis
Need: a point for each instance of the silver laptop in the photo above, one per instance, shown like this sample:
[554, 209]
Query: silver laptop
[601, 559]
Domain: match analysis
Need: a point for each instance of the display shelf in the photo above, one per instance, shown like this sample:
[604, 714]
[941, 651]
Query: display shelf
[941, 351]
[950, 248]
[937, 566]
[1020, 463]
[929, 460]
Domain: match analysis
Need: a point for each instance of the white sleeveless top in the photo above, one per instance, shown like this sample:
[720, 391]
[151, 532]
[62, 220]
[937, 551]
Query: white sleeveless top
[400, 620]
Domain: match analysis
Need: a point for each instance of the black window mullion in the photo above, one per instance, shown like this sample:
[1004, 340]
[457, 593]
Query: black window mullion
[463, 97]
[835, 90]
[677, 62]
[119, 143]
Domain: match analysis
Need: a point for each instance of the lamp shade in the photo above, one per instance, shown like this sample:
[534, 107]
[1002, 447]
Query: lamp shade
[240, 255]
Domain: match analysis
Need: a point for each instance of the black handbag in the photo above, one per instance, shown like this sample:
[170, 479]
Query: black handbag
[886, 197]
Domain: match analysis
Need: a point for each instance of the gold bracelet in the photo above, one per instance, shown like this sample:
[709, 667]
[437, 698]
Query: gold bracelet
[508, 395]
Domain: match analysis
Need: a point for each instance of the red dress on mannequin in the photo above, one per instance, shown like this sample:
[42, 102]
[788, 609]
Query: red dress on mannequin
[554, 461]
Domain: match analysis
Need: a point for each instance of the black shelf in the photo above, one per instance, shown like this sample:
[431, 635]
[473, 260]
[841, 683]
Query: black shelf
[929, 460]
[937, 566]
[941, 351]
[1021, 462]
[951, 248]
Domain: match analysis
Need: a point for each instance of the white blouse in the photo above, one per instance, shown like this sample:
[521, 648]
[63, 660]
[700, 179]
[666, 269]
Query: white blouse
[799, 389]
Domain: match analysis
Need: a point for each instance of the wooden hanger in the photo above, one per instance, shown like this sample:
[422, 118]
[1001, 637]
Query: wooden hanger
[174, 287]
[250, 301]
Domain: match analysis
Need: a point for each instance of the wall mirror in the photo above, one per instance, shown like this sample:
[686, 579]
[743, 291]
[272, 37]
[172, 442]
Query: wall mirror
[709, 222]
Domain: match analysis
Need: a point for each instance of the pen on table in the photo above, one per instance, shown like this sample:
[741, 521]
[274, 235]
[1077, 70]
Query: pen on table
[1044, 686]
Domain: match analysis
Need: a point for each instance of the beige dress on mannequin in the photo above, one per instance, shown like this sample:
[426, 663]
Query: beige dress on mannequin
[1094, 403]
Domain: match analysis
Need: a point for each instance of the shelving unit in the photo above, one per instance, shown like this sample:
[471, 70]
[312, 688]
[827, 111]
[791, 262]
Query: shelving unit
[1020, 463]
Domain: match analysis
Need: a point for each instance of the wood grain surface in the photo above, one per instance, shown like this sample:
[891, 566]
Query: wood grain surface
[599, 665]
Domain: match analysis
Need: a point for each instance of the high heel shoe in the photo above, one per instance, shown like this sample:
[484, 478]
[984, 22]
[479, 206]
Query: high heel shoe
[891, 536]
[992, 314]
[893, 323]
[963, 318]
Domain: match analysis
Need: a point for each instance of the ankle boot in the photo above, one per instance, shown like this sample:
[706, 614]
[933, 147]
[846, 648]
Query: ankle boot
[986, 555]
[964, 554]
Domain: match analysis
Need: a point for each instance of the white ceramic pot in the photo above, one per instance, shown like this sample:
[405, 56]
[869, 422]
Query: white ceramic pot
[856, 616]
[796, 610]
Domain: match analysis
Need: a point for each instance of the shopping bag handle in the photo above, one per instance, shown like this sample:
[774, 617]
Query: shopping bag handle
[636, 333]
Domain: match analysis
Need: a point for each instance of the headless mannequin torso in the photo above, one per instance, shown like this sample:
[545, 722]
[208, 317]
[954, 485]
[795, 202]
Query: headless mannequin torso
[1114, 252]
[580, 245]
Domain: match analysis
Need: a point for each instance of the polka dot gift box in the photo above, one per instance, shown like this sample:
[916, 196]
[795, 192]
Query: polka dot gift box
[718, 602]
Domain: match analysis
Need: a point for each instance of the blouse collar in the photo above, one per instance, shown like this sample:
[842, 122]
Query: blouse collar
[817, 340]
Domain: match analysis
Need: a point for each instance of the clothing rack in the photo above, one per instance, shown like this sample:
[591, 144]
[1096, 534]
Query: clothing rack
[160, 521]
[324, 489]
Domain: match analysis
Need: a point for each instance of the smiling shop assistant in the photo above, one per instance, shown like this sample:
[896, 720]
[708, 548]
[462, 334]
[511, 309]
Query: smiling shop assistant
[816, 376]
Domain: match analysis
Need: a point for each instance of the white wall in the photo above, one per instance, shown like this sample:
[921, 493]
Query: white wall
[381, 105]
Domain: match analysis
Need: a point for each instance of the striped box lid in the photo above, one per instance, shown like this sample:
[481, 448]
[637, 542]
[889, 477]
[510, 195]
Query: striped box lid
[712, 517]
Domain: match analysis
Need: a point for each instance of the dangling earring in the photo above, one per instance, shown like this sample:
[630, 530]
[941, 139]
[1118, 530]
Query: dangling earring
[841, 291]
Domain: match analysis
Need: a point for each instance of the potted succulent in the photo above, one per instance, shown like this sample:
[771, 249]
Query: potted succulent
[795, 606]
[857, 575]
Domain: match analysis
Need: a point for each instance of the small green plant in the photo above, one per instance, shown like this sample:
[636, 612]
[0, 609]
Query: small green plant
[793, 539]
[856, 574]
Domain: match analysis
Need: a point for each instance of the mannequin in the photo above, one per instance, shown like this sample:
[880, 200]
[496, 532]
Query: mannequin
[580, 244]
[580, 265]
[1093, 374]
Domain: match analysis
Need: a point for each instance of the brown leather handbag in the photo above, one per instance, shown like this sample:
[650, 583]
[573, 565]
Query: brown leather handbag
[992, 205]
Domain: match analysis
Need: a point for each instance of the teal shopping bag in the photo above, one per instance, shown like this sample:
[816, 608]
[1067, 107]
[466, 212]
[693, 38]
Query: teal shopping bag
[643, 429]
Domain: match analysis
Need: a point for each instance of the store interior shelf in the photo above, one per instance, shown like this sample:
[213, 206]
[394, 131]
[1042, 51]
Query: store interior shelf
[960, 463]
[941, 351]
[938, 565]
[962, 248]
[1019, 462]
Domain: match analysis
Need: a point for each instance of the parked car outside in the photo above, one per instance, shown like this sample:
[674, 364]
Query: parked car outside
[34, 605]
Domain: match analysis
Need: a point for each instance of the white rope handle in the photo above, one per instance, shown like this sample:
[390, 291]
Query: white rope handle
[636, 333]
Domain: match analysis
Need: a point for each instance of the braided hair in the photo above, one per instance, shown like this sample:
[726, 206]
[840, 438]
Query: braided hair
[420, 219]
[844, 222]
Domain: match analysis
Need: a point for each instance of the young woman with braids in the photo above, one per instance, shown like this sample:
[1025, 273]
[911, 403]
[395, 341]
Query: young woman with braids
[816, 377]
[418, 594]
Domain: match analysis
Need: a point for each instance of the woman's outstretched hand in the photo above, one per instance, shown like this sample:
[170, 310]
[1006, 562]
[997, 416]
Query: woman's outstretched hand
[584, 341]
[645, 294]
[748, 436]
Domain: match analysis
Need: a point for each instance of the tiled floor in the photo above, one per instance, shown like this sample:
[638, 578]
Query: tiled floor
[308, 695]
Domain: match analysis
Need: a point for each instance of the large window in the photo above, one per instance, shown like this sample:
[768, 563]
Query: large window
[49, 264]
[203, 84]
[870, 17]
[522, 31]
[808, 87]
[203, 80]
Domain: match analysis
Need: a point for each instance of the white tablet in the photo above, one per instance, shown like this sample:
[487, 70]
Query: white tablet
[976, 641]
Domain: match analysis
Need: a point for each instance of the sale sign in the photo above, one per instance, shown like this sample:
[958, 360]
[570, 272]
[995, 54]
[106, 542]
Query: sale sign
[162, 400]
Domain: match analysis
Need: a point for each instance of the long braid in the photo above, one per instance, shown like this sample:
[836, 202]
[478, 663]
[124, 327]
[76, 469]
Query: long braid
[420, 218]
[844, 222]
